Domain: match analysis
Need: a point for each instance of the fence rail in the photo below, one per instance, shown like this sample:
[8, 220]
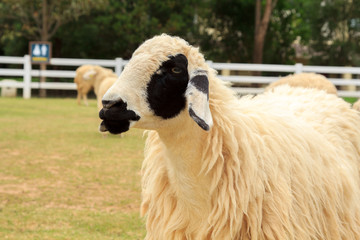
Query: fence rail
[240, 74]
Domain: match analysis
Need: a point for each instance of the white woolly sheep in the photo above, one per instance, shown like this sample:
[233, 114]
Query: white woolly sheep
[89, 77]
[104, 86]
[356, 105]
[307, 80]
[106, 83]
[281, 165]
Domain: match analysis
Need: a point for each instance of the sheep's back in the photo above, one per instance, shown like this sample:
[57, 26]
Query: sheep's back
[326, 113]
[298, 150]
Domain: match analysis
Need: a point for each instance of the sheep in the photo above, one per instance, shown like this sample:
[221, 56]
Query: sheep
[219, 167]
[308, 80]
[356, 105]
[106, 83]
[82, 85]
[315, 81]
[104, 86]
[89, 77]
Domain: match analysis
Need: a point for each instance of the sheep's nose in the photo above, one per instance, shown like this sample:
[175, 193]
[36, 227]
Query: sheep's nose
[110, 103]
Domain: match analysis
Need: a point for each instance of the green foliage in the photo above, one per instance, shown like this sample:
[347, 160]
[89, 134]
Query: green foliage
[15, 46]
[119, 29]
[229, 35]
[227, 30]
[283, 31]
[40, 19]
[334, 27]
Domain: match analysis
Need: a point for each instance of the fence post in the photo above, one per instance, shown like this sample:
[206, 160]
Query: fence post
[27, 77]
[118, 66]
[348, 87]
[298, 68]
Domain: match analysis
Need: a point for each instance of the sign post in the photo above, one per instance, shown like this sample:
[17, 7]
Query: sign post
[40, 52]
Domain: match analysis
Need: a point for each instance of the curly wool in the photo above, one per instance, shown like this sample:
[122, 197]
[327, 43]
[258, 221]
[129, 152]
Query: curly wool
[281, 165]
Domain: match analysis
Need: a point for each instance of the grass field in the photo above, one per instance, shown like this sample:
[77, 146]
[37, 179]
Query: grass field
[61, 179]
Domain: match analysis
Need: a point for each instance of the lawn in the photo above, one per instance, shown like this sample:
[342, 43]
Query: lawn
[61, 179]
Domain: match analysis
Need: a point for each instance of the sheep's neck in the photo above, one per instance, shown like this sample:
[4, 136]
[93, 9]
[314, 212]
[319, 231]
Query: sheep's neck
[184, 165]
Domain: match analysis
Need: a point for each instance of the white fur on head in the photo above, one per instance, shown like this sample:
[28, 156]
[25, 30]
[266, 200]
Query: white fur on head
[197, 95]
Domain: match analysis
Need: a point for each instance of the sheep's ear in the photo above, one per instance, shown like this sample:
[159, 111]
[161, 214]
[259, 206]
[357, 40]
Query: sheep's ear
[197, 95]
[89, 74]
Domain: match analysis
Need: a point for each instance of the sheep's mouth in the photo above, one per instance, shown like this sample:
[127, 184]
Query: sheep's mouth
[116, 121]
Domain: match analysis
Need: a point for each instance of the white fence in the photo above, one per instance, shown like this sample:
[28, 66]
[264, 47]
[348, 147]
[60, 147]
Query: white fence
[346, 84]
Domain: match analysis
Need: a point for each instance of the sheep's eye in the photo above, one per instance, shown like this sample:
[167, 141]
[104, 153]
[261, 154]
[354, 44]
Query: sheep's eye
[176, 70]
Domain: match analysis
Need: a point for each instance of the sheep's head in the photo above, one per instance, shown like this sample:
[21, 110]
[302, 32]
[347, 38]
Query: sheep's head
[164, 77]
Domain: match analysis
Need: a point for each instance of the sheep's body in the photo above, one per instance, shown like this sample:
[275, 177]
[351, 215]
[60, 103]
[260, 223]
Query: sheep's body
[83, 86]
[356, 105]
[281, 165]
[89, 77]
[307, 80]
[105, 84]
[268, 170]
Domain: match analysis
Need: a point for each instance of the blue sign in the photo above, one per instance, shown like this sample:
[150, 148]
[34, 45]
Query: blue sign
[40, 52]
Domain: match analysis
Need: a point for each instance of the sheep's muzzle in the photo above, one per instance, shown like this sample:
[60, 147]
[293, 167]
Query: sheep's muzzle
[116, 117]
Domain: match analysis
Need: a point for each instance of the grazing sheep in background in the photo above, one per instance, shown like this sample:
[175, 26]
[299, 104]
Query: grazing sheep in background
[104, 86]
[89, 77]
[356, 105]
[307, 80]
[82, 82]
[218, 167]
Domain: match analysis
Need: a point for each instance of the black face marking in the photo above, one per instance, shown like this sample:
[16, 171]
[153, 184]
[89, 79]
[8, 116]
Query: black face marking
[116, 119]
[166, 89]
[201, 83]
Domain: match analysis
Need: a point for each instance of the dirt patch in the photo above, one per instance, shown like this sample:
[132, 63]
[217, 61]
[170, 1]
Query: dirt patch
[8, 178]
[16, 189]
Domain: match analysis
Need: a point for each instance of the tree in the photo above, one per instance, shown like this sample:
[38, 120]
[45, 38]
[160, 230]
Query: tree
[114, 31]
[118, 29]
[226, 30]
[335, 31]
[40, 19]
[287, 30]
[262, 19]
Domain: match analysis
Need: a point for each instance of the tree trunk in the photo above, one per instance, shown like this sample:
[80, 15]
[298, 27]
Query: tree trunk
[44, 37]
[261, 26]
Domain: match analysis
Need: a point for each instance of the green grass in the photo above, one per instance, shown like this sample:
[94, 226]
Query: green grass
[350, 99]
[61, 179]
